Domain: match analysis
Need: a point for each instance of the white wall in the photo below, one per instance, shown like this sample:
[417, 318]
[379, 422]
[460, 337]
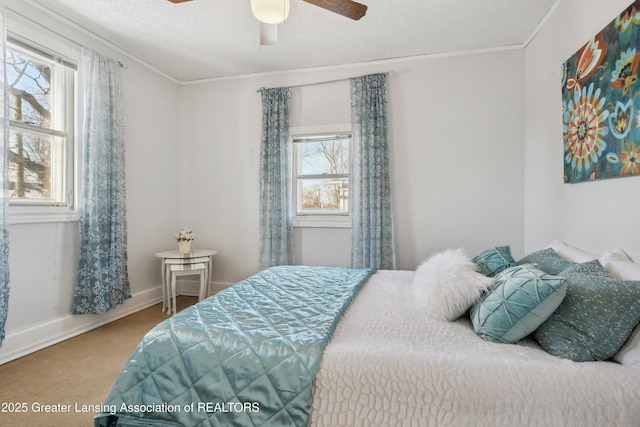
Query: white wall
[595, 216]
[43, 257]
[456, 127]
[456, 151]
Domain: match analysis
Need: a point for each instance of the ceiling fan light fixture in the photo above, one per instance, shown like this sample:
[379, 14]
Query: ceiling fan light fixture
[270, 11]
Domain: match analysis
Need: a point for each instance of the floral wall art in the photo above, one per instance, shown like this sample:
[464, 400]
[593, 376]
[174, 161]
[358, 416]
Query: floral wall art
[601, 103]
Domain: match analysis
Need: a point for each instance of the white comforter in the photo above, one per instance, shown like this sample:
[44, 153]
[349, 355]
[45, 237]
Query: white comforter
[389, 365]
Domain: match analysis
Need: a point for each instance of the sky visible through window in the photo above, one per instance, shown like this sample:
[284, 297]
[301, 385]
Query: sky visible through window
[30, 102]
[323, 181]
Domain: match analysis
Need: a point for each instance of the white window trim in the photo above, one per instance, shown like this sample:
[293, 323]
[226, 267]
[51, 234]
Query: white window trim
[23, 213]
[327, 220]
[42, 215]
[322, 221]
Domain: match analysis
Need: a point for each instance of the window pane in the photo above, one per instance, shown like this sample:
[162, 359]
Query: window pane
[325, 157]
[29, 81]
[41, 110]
[36, 163]
[325, 194]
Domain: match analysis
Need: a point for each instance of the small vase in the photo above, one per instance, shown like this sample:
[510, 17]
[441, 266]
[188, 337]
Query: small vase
[184, 246]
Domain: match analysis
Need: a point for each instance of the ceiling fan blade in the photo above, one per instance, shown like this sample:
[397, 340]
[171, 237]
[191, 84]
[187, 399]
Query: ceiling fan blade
[348, 8]
[178, 1]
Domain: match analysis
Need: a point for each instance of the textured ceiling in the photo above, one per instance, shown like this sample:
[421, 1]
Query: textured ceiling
[205, 39]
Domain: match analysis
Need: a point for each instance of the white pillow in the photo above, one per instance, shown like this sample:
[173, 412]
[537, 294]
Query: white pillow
[616, 261]
[615, 254]
[448, 283]
[619, 265]
[569, 253]
[629, 354]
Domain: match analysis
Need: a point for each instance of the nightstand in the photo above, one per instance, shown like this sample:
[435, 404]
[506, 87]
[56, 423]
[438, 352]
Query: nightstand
[198, 261]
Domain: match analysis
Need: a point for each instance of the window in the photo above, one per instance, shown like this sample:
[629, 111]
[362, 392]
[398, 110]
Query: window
[321, 179]
[41, 89]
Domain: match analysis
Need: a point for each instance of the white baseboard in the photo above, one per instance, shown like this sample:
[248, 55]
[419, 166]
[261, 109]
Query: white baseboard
[25, 341]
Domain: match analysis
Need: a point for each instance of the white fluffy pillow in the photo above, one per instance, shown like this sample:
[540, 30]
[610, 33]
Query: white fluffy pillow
[448, 283]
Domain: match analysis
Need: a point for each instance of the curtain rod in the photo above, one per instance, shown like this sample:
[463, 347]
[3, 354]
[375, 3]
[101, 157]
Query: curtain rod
[387, 73]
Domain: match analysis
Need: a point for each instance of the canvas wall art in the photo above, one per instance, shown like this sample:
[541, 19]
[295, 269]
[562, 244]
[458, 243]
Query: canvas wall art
[601, 103]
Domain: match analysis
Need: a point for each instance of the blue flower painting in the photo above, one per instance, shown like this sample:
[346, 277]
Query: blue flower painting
[601, 106]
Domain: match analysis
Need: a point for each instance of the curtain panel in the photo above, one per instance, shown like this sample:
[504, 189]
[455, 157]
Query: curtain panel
[4, 191]
[276, 215]
[372, 235]
[103, 280]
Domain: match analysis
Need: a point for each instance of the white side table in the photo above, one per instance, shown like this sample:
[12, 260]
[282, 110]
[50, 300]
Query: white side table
[174, 263]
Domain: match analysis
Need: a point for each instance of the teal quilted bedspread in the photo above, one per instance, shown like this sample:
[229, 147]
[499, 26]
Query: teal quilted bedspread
[246, 356]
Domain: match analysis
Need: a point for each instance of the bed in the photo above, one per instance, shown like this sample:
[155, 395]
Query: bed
[382, 362]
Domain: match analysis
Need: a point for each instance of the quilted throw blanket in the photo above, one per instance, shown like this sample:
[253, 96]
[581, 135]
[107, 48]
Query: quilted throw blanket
[246, 356]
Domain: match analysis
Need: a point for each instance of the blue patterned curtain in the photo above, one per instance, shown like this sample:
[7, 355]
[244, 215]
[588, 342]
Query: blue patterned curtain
[4, 193]
[372, 242]
[276, 216]
[103, 281]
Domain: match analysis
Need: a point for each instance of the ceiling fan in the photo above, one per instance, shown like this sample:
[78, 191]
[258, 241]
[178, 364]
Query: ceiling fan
[270, 13]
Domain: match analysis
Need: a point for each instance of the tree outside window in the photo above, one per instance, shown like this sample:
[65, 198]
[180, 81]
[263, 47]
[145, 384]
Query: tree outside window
[322, 178]
[39, 97]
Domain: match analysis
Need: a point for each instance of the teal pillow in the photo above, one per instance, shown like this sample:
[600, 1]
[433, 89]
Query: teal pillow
[547, 260]
[522, 298]
[494, 260]
[596, 317]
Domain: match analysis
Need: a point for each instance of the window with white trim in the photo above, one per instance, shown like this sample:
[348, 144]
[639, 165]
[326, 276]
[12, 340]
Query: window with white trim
[321, 176]
[41, 89]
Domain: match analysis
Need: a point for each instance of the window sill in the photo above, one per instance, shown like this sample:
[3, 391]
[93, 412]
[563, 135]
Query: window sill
[17, 216]
[319, 221]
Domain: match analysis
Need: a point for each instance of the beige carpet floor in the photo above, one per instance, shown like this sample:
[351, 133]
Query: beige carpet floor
[74, 374]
